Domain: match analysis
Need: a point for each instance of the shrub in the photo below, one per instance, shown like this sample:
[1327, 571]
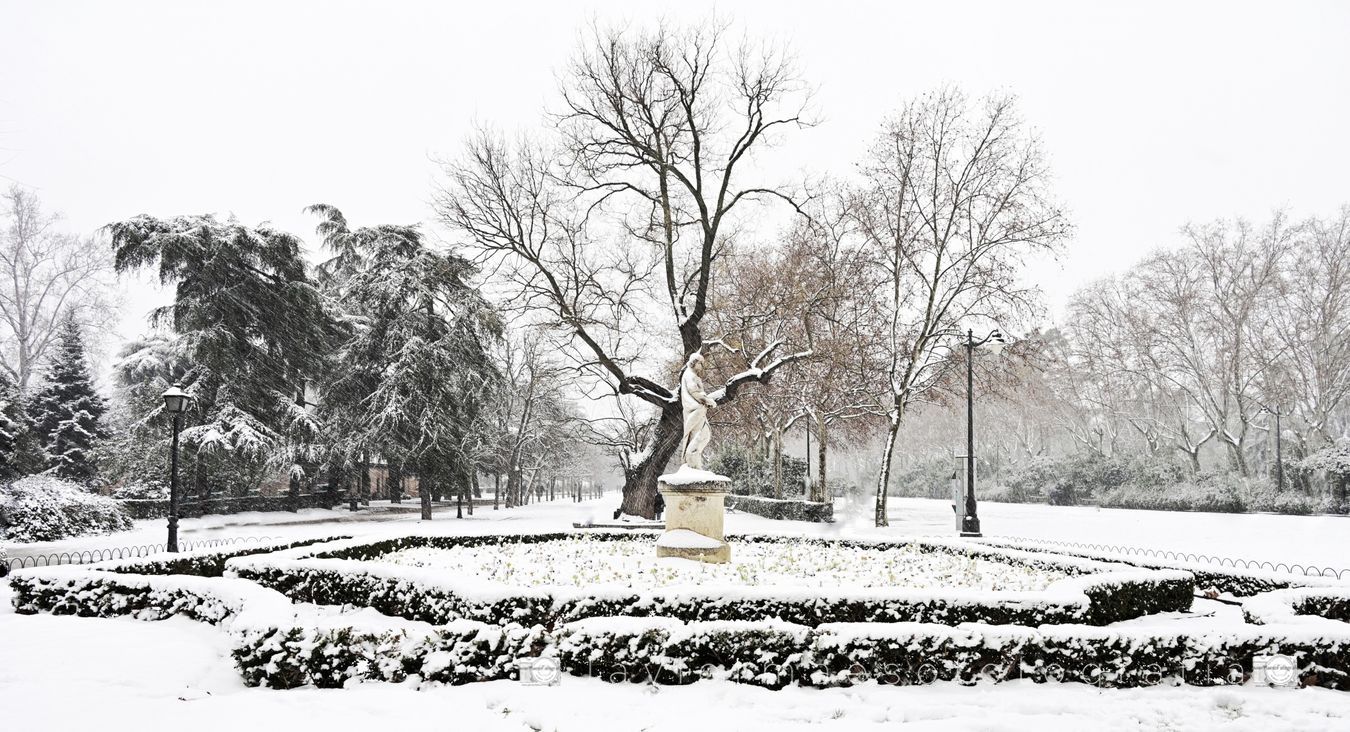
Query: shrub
[1275, 501]
[44, 508]
[142, 490]
[786, 509]
[923, 479]
[751, 474]
[1180, 497]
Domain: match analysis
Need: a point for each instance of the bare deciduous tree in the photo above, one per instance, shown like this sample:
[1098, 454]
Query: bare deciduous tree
[44, 273]
[954, 196]
[616, 227]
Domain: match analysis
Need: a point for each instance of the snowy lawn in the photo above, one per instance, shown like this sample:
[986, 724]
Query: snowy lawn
[631, 563]
[77, 674]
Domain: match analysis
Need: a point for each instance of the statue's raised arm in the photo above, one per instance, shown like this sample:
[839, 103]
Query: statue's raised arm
[694, 401]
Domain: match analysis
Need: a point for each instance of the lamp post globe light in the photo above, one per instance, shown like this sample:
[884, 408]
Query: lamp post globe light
[175, 403]
[994, 343]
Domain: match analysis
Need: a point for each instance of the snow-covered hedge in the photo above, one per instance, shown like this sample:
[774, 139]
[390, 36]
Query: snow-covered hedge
[79, 590]
[328, 657]
[203, 562]
[45, 508]
[281, 645]
[1299, 604]
[783, 509]
[345, 574]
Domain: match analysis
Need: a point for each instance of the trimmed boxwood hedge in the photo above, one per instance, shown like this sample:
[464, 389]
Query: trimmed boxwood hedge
[1111, 599]
[204, 563]
[280, 645]
[776, 655]
[783, 509]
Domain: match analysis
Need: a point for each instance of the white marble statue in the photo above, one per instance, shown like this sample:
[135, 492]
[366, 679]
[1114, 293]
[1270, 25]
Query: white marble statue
[695, 402]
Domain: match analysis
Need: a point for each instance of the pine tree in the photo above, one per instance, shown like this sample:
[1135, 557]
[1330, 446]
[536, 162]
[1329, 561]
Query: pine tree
[67, 411]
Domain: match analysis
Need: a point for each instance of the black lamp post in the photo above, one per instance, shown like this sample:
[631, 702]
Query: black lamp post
[1279, 446]
[970, 520]
[175, 403]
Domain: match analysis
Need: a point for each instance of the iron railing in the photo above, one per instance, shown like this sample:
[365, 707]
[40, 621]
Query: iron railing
[89, 556]
[1309, 570]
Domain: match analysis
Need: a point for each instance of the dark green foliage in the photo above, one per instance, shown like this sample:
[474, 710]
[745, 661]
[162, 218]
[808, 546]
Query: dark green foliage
[752, 474]
[784, 509]
[251, 329]
[67, 412]
[412, 377]
[19, 454]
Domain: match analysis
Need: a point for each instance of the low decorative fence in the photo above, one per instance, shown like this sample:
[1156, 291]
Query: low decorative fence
[89, 556]
[1309, 570]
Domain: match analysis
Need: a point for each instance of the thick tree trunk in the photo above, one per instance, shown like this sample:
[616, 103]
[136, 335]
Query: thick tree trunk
[639, 485]
[496, 491]
[393, 482]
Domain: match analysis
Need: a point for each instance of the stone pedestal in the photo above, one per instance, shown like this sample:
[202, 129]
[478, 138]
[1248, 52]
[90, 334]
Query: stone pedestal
[695, 506]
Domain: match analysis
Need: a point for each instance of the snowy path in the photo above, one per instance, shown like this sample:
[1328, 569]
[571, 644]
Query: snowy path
[67, 673]
[1320, 540]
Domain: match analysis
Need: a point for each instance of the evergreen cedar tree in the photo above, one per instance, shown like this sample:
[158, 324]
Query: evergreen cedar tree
[66, 413]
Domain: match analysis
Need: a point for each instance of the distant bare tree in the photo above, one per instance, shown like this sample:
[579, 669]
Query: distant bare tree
[954, 196]
[1312, 329]
[44, 273]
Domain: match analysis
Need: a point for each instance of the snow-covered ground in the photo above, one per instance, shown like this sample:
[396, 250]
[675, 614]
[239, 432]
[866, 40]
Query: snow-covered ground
[1319, 540]
[67, 673]
[629, 563]
[59, 673]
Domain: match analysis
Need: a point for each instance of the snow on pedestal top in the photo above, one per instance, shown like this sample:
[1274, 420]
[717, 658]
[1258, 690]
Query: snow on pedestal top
[689, 476]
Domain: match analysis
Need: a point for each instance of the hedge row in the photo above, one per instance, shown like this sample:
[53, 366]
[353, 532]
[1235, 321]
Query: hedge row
[204, 562]
[75, 590]
[459, 653]
[346, 576]
[1299, 604]
[794, 509]
[280, 645]
[776, 655]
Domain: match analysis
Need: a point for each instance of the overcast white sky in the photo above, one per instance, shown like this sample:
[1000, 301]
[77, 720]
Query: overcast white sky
[1154, 113]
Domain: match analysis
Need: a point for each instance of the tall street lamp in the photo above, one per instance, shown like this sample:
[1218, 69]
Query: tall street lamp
[1279, 446]
[970, 520]
[175, 403]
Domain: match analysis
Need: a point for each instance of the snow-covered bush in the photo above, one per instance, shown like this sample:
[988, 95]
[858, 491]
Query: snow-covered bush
[141, 490]
[44, 508]
[1270, 500]
[1212, 497]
